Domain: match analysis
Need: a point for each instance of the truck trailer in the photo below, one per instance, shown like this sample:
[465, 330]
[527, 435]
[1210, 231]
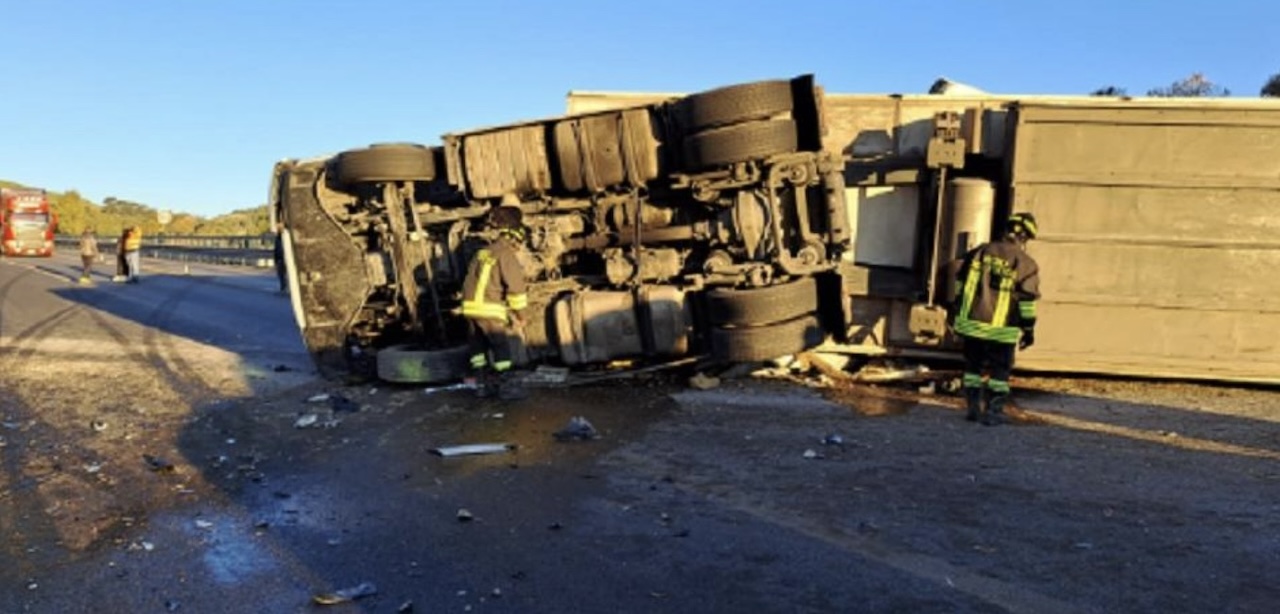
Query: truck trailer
[768, 218]
[1158, 219]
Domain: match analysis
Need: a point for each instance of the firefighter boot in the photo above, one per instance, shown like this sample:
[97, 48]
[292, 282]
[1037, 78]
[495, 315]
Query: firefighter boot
[511, 387]
[973, 403]
[995, 409]
[486, 385]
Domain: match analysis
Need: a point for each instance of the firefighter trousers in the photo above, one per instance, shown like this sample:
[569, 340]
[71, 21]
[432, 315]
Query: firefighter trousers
[991, 358]
[494, 344]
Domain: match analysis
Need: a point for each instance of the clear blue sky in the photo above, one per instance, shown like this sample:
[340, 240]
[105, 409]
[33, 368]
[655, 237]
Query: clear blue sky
[185, 105]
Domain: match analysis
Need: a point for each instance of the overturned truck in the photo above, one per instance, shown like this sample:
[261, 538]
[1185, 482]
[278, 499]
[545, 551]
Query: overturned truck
[686, 228]
[762, 219]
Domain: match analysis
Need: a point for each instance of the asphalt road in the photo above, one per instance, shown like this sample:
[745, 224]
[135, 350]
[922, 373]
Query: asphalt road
[166, 448]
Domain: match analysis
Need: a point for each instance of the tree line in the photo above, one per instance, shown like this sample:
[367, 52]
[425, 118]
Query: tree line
[76, 213]
[1195, 86]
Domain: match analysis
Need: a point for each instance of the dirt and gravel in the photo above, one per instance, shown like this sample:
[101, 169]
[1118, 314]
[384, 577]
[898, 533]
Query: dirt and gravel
[1108, 496]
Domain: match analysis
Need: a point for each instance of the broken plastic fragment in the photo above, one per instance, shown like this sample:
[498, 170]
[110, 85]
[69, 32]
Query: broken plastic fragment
[473, 448]
[319, 398]
[578, 429]
[204, 524]
[833, 439]
[810, 454]
[305, 421]
[464, 515]
[364, 589]
[457, 386]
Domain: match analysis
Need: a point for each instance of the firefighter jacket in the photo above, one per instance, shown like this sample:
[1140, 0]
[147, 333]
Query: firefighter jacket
[495, 283]
[996, 293]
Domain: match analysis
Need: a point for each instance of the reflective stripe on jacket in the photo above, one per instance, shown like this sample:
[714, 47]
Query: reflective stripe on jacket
[999, 284]
[495, 282]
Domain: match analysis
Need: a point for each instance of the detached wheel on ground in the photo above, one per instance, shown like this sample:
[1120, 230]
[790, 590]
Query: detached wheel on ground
[409, 364]
[756, 343]
[389, 162]
[751, 306]
[741, 142]
[736, 103]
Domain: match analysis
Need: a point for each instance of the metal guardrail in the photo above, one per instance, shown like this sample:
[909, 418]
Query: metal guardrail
[248, 251]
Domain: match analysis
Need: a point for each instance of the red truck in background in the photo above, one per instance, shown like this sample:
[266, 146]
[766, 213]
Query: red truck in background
[27, 223]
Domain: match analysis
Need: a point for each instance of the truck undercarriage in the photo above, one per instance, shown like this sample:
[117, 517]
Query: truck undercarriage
[699, 226]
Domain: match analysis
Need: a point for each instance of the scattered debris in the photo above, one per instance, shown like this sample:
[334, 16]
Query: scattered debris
[405, 607]
[364, 589]
[341, 403]
[701, 381]
[457, 386]
[319, 398]
[157, 464]
[312, 420]
[578, 429]
[143, 545]
[473, 448]
[93, 467]
[812, 455]
[833, 439]
[465, 515]
[172, 605]
[546, 375]
[204, 524]
[305, 421]
[98, 426]
[883, 374]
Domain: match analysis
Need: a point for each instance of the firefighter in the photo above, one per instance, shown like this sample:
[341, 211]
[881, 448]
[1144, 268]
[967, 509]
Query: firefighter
[493, 301]
[994, 310]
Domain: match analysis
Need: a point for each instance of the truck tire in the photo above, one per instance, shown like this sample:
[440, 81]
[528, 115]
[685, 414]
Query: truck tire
[735, 104]
[409, 364]
[757, 343]
[388, 162]
[740, 142]
[754, 306]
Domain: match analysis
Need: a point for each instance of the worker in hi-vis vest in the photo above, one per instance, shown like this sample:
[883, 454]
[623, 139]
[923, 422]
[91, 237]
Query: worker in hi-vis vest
[994, 310]
[493, 301]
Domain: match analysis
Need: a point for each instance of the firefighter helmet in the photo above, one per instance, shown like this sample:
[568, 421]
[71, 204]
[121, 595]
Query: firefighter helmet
[506, 217]
[1023, 223]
